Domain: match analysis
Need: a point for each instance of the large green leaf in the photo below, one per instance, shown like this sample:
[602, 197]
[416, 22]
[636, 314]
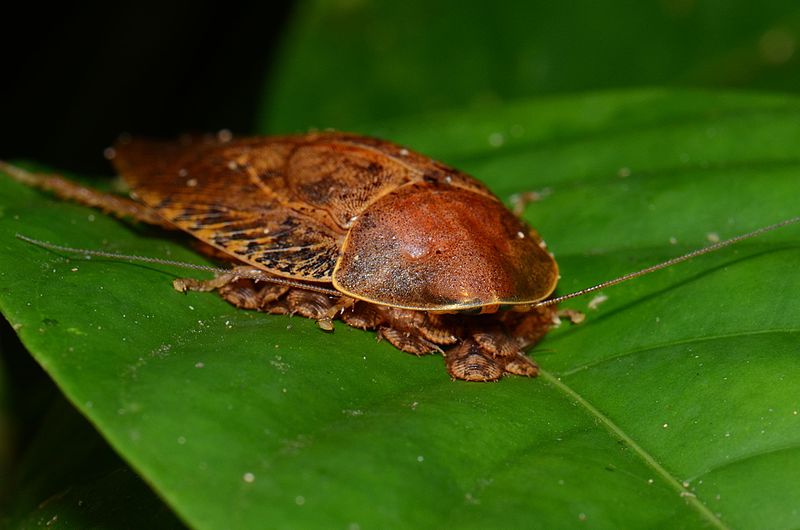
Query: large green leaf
[675, 404]
[70, 478]
[345, 62]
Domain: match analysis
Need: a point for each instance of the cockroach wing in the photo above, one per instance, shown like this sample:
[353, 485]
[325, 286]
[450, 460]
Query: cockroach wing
[233, 196]
[341, 174]
[435, 247]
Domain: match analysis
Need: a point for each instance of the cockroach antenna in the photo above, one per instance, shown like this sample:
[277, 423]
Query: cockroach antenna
[668, 263]
[253, 274]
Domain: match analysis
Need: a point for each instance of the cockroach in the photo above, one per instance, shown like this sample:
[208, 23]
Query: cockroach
[340, 226]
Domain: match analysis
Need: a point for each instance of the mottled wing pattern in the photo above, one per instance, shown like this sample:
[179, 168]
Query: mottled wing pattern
[232, 196]
[343, 173]
[283, 204]
[341, 179]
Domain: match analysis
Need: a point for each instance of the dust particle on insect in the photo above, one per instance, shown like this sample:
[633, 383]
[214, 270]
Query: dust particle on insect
[713, 237]
[673, 240]
[299, 500]
[420, 458]
[181, 440]
[248, 477]
[109, 153]
[666, 425]
[224, 135]
[199, 365]
[624, 172]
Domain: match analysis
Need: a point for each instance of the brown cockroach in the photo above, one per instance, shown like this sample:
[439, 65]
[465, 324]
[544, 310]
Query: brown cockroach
[339, 226]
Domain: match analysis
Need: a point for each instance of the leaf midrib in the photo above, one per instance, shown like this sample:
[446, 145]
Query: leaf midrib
[649, 460]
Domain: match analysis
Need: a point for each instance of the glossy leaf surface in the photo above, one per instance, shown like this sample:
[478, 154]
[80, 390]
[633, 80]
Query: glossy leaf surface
[674, 405]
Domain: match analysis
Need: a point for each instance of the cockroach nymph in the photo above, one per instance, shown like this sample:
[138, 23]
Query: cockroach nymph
[339, 226]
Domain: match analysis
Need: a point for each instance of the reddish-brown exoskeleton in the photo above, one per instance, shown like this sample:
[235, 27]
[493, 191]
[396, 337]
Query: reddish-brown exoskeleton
[338, 226]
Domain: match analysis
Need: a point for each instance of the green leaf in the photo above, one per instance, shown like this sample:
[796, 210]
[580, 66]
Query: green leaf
[70, 478]
[347, 62]
[674, 405]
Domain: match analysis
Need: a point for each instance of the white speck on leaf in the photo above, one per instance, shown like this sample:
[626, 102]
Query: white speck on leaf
[596, 301]
[496, 139]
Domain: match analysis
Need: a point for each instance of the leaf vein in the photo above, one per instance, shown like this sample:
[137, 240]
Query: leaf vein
[646, 457]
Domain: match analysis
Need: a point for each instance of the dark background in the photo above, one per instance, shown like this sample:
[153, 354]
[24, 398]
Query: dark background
[76, 76]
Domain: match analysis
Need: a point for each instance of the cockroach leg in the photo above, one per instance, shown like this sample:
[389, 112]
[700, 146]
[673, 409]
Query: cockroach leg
[468, 362]
[522, 365]
[408, 341]
[107, 202]
[191, 284]
[337, 309]
[250, 295]
[528, 328]
[321, 307]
